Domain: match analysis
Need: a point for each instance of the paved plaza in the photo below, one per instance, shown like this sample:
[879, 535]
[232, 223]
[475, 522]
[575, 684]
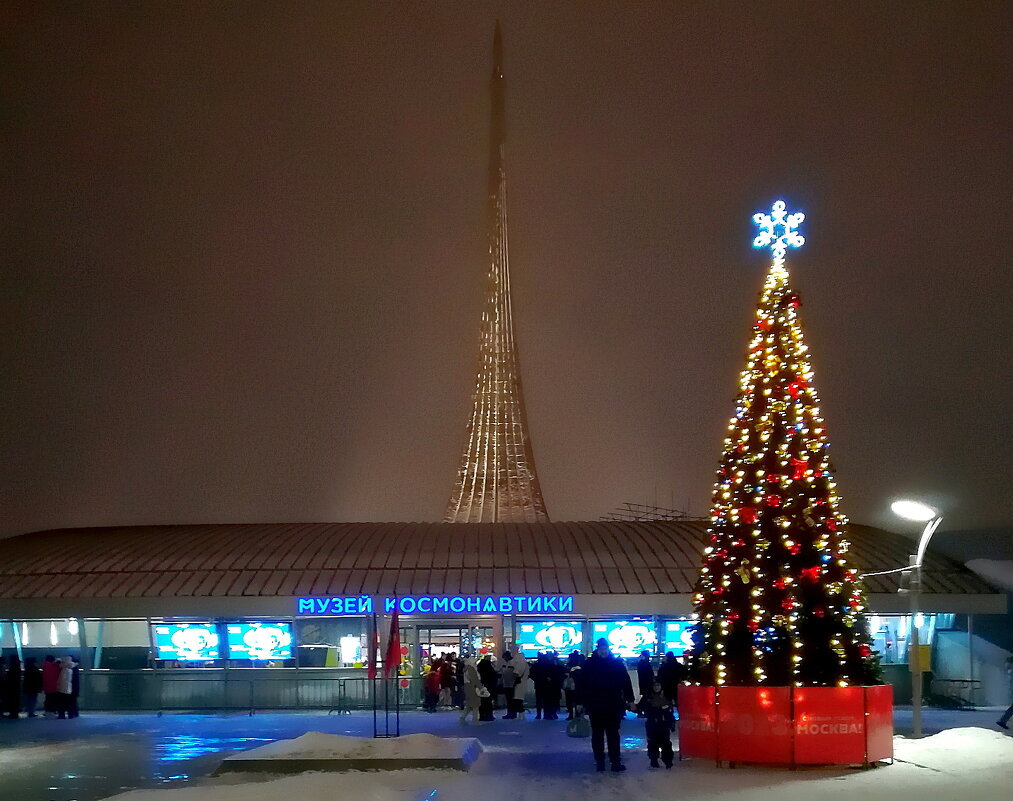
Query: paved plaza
[99, 754]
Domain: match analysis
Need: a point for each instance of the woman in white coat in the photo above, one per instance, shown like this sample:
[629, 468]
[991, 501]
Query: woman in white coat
[521, 669]
[472, 683]
[64, 686]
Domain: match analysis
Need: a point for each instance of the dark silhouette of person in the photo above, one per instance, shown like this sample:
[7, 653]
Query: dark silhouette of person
[606, 692]
[573, 665]
[552, 685]
[32, 686]
[659, 725]
[645, 677]
[490, 678]
[538, 674]
[12, 688]
[75, 688]
[671, 674]
[508, 678]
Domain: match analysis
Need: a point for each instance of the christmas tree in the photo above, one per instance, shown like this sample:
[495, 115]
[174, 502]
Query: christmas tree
[777, 601]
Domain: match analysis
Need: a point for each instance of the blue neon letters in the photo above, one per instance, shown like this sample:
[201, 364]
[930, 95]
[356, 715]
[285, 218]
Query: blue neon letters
[438, 604]
[363, 605]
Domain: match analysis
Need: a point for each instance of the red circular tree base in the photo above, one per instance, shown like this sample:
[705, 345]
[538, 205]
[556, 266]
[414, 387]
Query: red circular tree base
[787, 725]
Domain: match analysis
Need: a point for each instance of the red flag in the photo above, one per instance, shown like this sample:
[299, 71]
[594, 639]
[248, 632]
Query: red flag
[373, 648]
[392, 660]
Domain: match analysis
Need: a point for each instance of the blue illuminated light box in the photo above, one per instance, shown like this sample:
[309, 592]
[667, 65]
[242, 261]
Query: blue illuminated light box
[259, 639]
[626, 638]
[678, 636]
[534, 637]
[187, 642]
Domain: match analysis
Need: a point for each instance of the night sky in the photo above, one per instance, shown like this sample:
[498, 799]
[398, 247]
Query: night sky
[244, 250]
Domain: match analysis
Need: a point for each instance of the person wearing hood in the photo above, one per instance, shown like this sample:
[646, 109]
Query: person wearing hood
[472, 682]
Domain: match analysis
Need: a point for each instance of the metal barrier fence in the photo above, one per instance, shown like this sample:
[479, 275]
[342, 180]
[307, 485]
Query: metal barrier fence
[239, 690]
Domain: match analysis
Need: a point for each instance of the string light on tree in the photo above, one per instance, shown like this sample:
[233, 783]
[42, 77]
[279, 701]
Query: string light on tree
[777, 602]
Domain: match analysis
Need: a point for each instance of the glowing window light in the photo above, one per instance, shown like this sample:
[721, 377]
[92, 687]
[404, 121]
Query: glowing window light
[54, 637]
[72, 627]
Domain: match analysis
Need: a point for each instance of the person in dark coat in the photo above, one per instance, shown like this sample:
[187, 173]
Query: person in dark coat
[448, 676]
[671, 674]
[508, 678]
[538, 672]
[645, 676]
[659, 725]
[458, 696]
[490, 678]
[552, 685]
[75, 688]
[573, 665]
[606, 692]
[31, 686]
[12, 688]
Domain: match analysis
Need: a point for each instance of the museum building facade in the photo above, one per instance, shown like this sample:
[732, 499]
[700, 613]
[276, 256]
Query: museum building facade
[280, 615]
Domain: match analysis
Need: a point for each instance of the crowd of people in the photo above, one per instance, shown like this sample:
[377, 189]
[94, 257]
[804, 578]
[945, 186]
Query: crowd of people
[598, 687]
[56, 680]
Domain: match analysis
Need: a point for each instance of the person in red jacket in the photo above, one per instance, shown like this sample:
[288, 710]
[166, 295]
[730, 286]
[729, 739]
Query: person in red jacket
[431, 686]
[50, 684]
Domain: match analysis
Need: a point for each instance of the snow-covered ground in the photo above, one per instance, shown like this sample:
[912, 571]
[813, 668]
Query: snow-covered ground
[962, 764]
[318, 745]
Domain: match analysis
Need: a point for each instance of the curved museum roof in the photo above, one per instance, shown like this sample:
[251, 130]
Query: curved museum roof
[344, 559]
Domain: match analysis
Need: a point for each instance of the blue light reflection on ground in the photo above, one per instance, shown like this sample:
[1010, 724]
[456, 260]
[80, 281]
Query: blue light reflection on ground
[181, 747]
[634, 742]
[177, 748]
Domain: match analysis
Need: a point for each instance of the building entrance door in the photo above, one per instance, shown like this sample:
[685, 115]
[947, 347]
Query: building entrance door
[434, 639]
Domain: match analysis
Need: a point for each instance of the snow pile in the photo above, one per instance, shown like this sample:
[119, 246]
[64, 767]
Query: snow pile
[966, 764]
[317, 745]
[998, 572]
[958, 750]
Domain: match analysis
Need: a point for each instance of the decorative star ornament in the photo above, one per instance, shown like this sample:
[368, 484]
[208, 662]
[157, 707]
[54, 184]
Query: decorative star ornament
[778, 231]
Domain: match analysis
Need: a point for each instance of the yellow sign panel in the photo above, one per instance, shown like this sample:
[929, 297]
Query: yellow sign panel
[925, 658]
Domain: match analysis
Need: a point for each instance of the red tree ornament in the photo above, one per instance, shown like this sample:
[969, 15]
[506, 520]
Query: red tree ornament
[811, 573]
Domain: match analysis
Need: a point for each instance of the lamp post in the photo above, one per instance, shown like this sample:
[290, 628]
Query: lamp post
[919, 512]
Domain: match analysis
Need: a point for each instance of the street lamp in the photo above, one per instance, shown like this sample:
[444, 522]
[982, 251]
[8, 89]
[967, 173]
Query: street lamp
[918, 512]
